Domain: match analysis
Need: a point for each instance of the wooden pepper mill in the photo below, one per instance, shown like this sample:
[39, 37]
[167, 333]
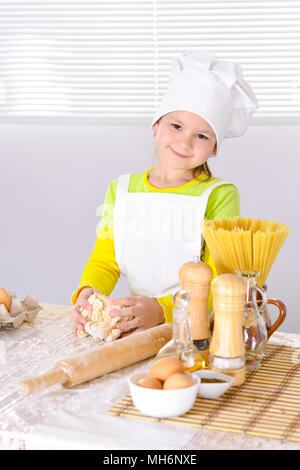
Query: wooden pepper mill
[195, 278]
[227, 350]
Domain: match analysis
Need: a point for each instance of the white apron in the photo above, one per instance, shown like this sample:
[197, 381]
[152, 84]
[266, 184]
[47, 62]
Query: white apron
[154, 235]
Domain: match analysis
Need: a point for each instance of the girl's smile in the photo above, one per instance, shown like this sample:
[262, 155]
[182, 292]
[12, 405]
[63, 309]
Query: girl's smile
[178, 154]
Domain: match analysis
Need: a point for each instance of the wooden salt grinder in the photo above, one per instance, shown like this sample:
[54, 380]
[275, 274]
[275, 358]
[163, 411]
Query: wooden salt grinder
[227, 342]
[195, 278]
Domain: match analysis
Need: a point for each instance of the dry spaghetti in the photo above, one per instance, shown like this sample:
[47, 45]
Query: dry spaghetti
[241, 243]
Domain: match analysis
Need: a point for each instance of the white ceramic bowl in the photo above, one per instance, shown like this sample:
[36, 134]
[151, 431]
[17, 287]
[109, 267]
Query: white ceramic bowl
[213, 390]
[162, 403]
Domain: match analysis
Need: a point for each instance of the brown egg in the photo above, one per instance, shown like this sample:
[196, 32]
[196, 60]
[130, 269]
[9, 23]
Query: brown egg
[149, 382]
[5, 298]
[177, 381]
[163, 368]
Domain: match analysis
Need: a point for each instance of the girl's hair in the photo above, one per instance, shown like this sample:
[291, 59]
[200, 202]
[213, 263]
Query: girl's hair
[199, 169]
[204, 167]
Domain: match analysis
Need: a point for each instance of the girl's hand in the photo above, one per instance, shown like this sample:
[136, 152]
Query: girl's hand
[146, 313]
[77, 320]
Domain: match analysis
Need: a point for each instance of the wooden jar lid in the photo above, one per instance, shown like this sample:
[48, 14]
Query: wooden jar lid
[229, 285]
[198, 273]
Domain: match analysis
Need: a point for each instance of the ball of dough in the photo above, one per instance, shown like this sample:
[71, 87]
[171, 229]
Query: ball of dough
[100, 325]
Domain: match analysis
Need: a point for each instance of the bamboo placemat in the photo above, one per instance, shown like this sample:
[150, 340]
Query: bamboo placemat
[267, 404]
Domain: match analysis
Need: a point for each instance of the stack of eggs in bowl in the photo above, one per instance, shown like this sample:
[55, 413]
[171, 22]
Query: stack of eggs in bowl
[164, 391]
[167, 374]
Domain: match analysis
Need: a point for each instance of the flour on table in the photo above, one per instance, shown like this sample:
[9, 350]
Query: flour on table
[99, 323]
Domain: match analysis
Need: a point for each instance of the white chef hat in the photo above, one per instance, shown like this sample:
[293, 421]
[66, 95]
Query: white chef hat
[213, 89]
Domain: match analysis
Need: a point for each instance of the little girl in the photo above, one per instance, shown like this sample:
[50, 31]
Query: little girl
[150, 223]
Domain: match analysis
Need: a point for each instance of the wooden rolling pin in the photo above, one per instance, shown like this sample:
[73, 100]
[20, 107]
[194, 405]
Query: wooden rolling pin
[102, 359]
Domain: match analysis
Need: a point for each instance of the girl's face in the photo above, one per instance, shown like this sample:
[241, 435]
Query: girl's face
[184, 140]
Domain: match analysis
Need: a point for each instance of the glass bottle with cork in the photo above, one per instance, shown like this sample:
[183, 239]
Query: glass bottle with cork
[181, 345]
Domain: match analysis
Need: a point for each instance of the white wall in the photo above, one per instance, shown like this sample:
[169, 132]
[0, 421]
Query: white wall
[54, 176]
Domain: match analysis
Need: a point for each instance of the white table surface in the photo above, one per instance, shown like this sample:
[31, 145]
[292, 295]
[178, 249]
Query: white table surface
[76, 418]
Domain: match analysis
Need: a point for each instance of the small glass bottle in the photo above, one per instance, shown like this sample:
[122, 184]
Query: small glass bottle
[254, 326]
[181, 345]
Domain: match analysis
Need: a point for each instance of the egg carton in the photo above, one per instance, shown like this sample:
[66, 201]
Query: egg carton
[20, 310]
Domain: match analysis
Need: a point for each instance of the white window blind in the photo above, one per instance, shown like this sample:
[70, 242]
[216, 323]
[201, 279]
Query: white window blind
[109, 59]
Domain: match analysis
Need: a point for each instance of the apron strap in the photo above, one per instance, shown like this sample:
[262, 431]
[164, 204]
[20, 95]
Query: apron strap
[122, 190]
[204, 199]
[123, 183]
